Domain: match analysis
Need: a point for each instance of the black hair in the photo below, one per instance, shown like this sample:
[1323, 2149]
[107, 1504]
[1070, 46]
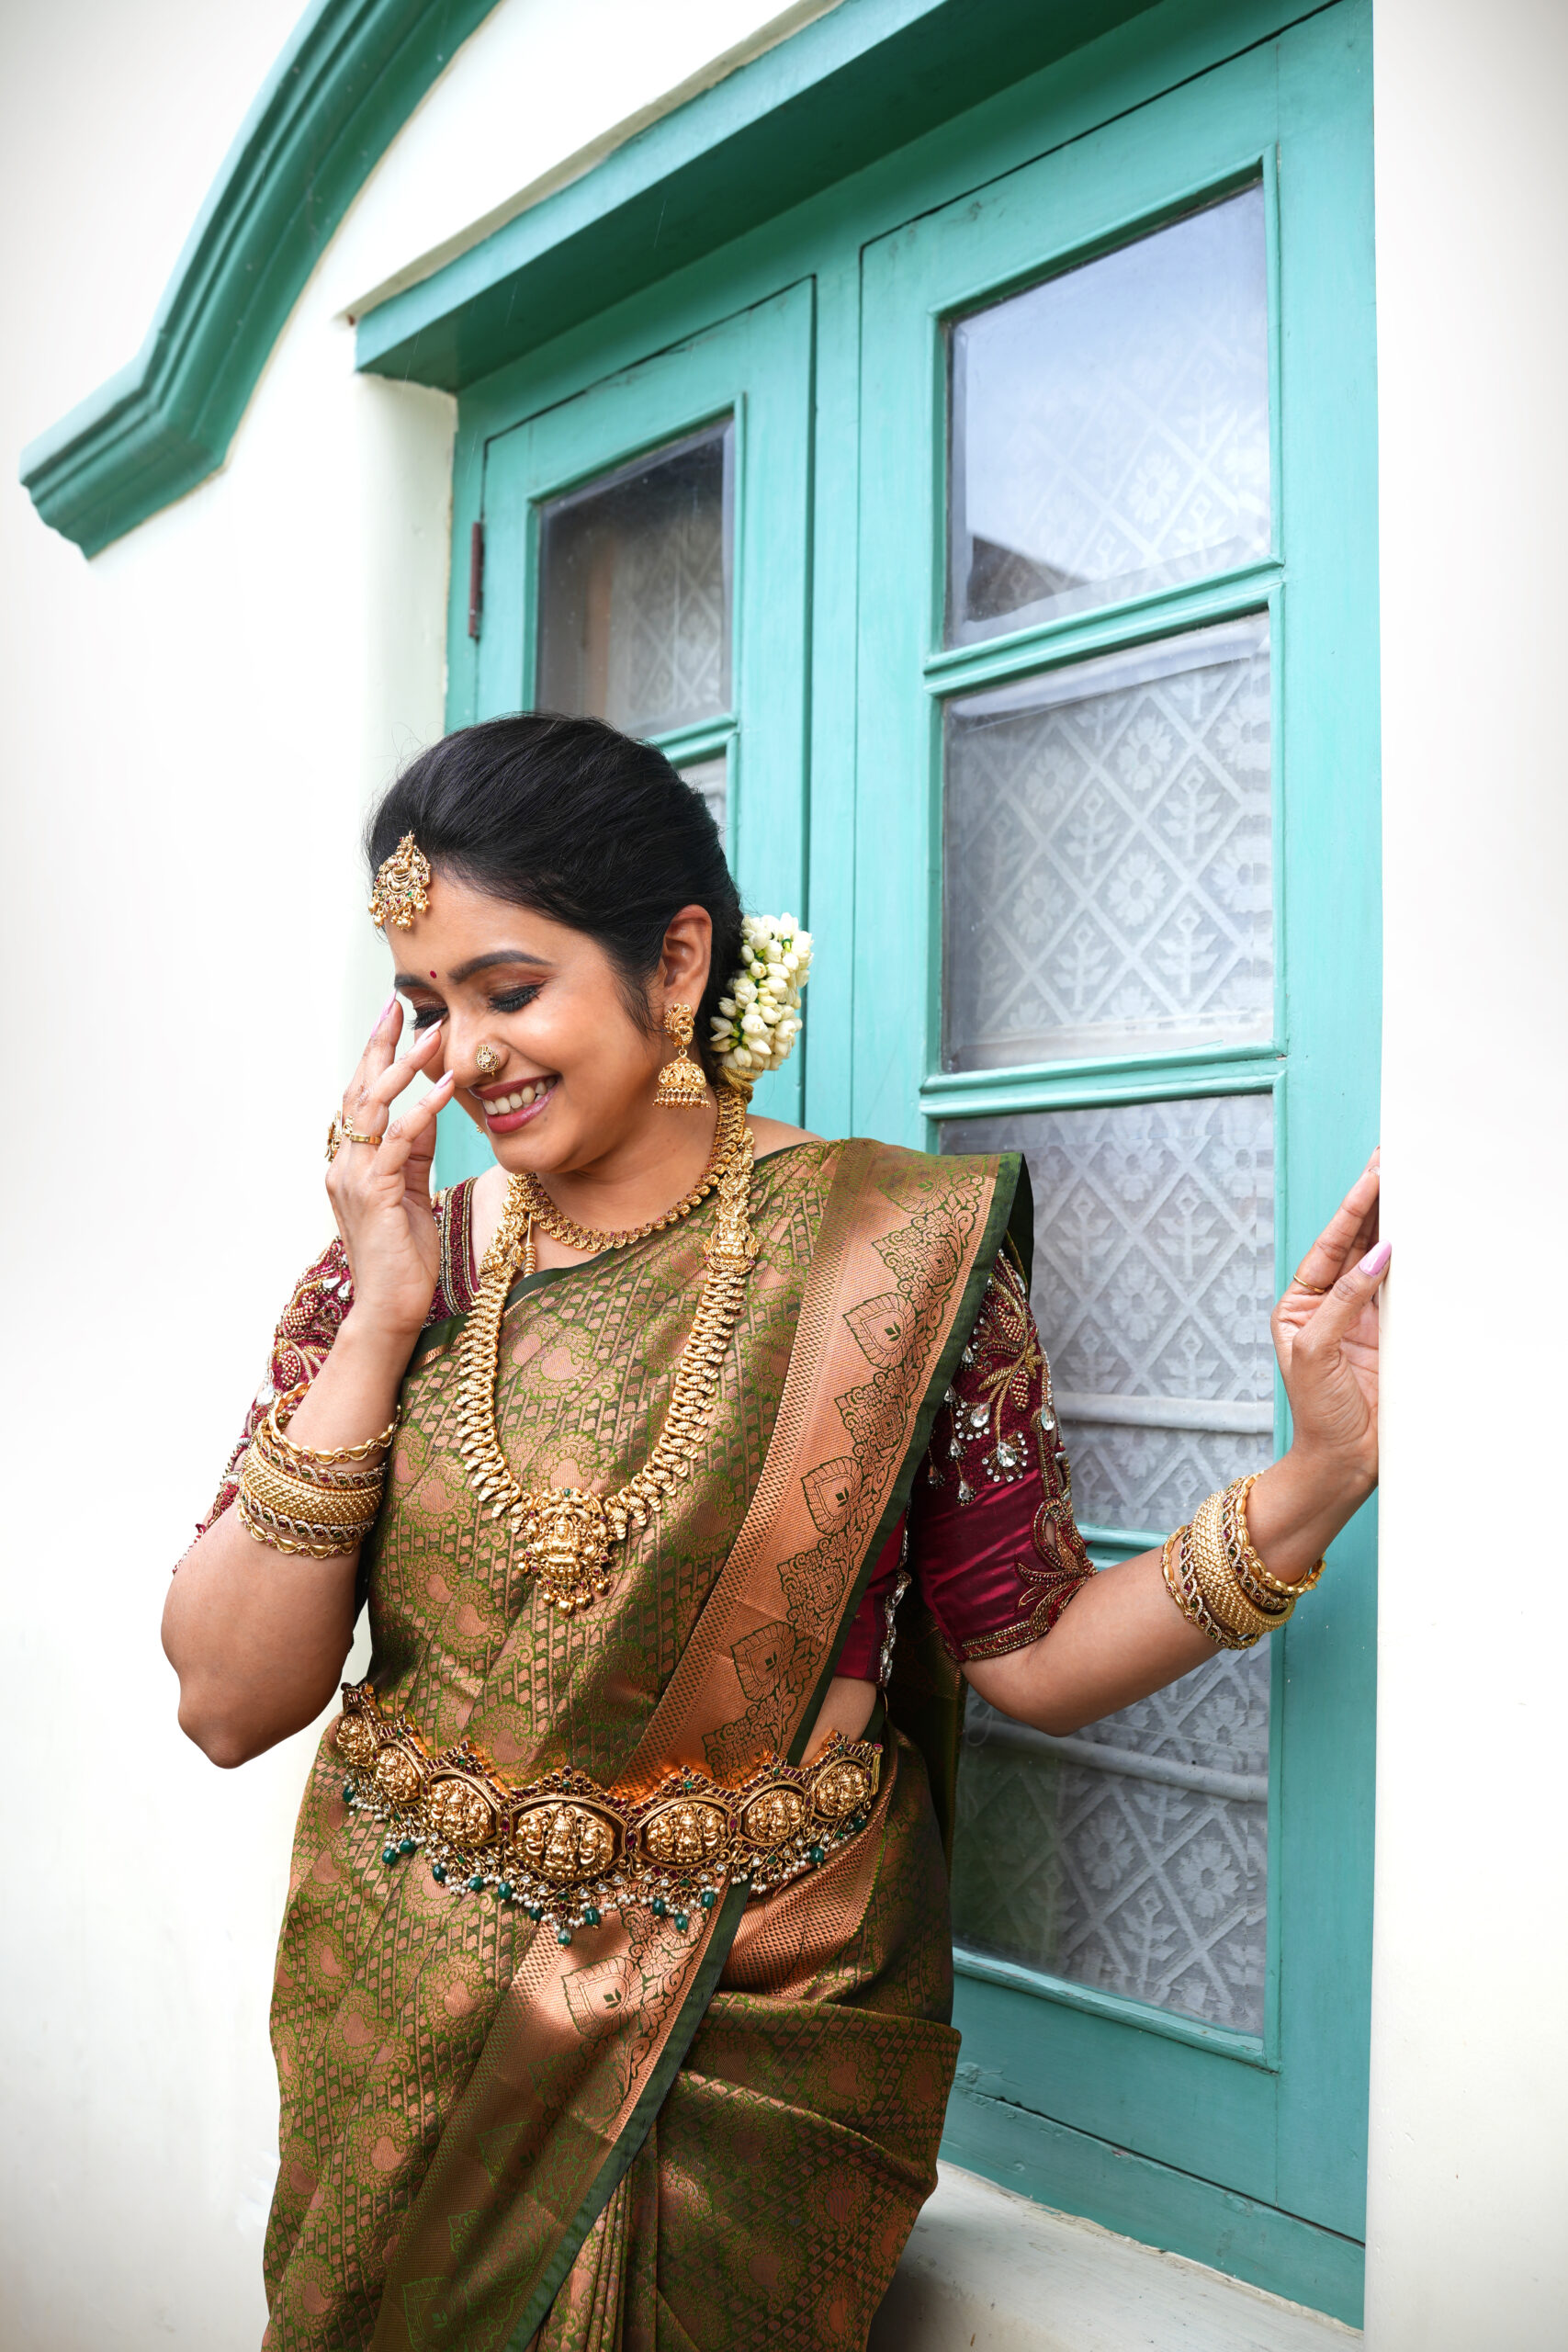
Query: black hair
[581, 823]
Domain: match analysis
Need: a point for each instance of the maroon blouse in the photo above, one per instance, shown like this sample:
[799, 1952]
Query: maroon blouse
[988, 1539]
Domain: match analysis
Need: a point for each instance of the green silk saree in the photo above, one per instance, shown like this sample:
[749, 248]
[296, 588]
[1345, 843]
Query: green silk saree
[713, 2136]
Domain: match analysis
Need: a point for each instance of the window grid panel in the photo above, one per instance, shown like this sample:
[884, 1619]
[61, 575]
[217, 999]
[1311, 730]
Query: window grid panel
[1153, 1280]
[1154, 1889]
[1108, 856]
[634, 591]
[1110, 428]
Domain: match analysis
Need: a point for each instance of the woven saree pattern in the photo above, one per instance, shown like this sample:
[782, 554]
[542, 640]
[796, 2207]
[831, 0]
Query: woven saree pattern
[387, 1987]
[463, 2093]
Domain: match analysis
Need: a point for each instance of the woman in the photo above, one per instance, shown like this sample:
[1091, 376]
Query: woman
[613, 1990]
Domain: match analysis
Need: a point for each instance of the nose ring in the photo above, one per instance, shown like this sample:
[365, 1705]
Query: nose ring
[489, 1059]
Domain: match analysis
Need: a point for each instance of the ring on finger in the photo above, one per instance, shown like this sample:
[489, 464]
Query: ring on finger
[1318, 1290]
[340, 1133]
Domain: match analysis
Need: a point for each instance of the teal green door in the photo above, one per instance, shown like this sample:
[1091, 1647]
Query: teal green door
[645, 561]
[1116, 906]
[992, 539]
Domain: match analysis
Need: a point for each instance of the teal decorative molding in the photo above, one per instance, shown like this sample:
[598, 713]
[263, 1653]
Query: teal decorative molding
[843, 91]
[352, 75]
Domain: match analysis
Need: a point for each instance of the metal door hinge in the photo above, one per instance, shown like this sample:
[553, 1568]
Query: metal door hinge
[476, 579]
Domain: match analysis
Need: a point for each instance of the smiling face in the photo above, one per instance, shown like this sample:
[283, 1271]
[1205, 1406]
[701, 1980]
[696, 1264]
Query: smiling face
[577, 1068]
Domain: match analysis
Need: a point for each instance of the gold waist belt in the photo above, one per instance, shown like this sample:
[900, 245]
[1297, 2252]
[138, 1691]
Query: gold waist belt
[565, 1850]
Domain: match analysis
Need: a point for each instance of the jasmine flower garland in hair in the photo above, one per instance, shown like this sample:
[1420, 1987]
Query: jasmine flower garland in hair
[759, 1015]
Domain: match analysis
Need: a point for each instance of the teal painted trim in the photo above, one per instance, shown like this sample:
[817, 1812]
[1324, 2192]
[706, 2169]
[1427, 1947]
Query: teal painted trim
[987, 1970]
[1069, 1087]
[1129, 1540]
[1050, 645]
[961, 1085]
[702, 740]
[348, 79]
[1155, 2204]
[839, 94]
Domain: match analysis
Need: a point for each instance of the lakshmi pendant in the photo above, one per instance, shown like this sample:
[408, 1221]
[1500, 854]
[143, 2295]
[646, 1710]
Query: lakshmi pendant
[565, 1544]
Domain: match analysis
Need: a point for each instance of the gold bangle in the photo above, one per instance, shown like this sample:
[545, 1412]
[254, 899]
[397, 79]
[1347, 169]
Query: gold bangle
[299, 1536]
[1182, 1587]
[282, 1411]
[274, 1490]
[1216, 1580]
[290, 1463]
[1246, 1558]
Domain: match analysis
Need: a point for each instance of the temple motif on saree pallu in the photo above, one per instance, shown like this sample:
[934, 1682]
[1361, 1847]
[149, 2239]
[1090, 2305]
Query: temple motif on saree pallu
[566, 1850]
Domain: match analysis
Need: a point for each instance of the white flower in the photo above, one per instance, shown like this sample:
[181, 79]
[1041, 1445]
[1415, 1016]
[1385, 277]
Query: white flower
[759, 1016]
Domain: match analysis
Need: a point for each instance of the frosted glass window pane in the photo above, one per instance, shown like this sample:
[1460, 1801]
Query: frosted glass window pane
[711, 779]
[1153, 1278]
[634, 591]
[1146, 1876]
[1109, 428]
[1107, 864]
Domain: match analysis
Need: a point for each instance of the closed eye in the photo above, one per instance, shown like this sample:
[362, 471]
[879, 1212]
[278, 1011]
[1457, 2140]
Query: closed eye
[513, 999]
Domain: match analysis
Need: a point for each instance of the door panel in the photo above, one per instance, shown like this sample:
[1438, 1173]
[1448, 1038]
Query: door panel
[1105, 549]
[645, 549]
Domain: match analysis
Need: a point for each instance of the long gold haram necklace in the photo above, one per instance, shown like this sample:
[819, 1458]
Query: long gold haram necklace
[566, 1534]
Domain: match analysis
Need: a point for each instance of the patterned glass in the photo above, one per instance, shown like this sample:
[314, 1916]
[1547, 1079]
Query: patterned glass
[634, 591]
[1108, 859]
[1109, 428]
[1142, 1873]
[711, 779]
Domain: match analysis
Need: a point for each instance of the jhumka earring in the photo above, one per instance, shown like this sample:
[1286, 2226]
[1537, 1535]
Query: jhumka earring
[487, 1061]
[681, 1086]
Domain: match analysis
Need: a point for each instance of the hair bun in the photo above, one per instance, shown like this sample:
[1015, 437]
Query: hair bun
[759, 1017]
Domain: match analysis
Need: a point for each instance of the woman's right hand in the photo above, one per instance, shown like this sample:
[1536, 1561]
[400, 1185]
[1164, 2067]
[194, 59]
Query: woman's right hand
[380, 1192]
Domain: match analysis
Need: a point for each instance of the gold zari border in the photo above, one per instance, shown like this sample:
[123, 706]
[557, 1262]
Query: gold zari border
[565, 1850]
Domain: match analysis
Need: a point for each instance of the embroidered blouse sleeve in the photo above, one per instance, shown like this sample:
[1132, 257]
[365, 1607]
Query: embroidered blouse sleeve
[993, 1542]
[314, 1315]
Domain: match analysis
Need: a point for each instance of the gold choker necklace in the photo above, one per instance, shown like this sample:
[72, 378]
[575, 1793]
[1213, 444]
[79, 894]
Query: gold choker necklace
[566, 1534]
[525, 1195]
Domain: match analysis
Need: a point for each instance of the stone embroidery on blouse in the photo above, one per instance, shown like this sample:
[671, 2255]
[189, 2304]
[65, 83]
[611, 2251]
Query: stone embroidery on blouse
[986, 1433]
[998, 1426]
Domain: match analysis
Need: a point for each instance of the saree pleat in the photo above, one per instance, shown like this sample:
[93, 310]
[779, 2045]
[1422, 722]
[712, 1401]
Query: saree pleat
[785, 2167]
[480, 2132]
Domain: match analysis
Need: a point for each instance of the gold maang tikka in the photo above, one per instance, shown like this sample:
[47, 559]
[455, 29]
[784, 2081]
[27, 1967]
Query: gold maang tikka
[402, 885]
[681, 1086]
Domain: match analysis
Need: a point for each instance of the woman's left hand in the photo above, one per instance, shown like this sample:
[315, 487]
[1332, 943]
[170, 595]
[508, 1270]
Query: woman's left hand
[1326, 1335]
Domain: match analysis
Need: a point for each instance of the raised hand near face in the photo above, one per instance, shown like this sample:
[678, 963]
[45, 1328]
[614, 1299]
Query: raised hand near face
[378, 1183]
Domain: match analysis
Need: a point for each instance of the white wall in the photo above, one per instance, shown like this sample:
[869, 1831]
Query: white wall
[190, 728]
[1469, 2244]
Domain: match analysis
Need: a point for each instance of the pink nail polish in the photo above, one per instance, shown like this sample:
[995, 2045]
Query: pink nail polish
[1376, 1258]
[387, 1010]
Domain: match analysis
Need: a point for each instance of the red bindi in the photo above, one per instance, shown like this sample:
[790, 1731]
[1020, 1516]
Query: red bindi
[433, 976]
